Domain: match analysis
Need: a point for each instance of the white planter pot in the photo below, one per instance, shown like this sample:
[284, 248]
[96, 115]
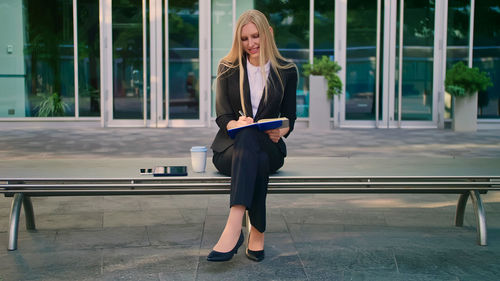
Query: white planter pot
[465, 113]
[319, 104]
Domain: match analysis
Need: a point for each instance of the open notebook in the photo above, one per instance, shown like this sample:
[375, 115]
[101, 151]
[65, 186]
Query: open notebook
[262, 125]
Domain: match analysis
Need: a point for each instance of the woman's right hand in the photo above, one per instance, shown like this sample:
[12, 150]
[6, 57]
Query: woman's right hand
[242, 121]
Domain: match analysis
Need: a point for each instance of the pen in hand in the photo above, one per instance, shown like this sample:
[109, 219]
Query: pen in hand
[247, 120]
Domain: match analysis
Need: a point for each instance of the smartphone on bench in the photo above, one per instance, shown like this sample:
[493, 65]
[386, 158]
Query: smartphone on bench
[166, 171]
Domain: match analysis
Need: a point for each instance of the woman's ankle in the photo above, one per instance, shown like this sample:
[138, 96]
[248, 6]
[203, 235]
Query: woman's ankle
[232, 230]
[256, 240]
[228, 239]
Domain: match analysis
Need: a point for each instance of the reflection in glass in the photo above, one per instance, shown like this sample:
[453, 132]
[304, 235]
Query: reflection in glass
[486, 54]
[457, 48]
[222, 22]
[88, 58]
[48, 56]
[127, 60]
[324, 32]
[324, 28]
[184, 63]
[290, 21]
[361, 53]
[418, 52]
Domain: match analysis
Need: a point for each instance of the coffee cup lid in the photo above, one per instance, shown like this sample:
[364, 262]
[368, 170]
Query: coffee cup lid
[198, 149]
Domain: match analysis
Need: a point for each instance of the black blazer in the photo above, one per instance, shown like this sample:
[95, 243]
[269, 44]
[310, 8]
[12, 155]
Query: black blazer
[281, 101]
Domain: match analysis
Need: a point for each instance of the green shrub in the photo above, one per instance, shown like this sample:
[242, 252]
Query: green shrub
[52, 105]
[329, 69]
[462, 80]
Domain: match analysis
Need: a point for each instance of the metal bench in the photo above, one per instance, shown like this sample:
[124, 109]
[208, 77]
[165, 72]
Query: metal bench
[466, 177]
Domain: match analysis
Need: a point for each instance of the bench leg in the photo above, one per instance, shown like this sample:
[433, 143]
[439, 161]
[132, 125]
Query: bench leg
[28, 213]
[15, 211]
[478, 211]
[480, 217]
[459, 214]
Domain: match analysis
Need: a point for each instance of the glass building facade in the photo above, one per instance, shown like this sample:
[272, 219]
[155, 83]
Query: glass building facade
[152, 63]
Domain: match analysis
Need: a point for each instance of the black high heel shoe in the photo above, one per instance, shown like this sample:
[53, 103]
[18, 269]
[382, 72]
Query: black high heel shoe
[254, 255]
[218, 256]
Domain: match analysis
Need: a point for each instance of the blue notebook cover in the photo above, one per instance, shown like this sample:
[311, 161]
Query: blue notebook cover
[262, 125]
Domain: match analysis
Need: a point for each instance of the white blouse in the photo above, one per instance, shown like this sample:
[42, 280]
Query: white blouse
[256, 84]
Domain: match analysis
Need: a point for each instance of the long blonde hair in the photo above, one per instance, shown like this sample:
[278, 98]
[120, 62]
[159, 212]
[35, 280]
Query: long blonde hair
[267, 51]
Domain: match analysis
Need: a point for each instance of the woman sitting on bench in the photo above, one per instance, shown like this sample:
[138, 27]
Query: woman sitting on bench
[253, 82]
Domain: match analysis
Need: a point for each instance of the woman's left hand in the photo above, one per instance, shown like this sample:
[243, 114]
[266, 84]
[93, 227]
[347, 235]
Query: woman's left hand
[274, 135]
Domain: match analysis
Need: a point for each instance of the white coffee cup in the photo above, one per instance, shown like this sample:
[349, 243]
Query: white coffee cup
[198, 158]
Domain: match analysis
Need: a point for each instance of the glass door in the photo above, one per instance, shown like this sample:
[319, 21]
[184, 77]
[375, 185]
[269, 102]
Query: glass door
[188, 86]
[125, 63]
[129, 89]
[141, 87]
[393, 63]
[362, 64]
[415, 96]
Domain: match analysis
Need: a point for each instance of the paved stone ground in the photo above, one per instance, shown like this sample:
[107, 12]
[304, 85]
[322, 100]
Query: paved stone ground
[309, 237]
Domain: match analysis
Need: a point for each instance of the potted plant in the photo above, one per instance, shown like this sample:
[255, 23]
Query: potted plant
[52, 105]
[463, 83]
[324, 83]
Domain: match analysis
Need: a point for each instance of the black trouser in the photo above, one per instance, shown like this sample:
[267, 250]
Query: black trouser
[249, 162]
